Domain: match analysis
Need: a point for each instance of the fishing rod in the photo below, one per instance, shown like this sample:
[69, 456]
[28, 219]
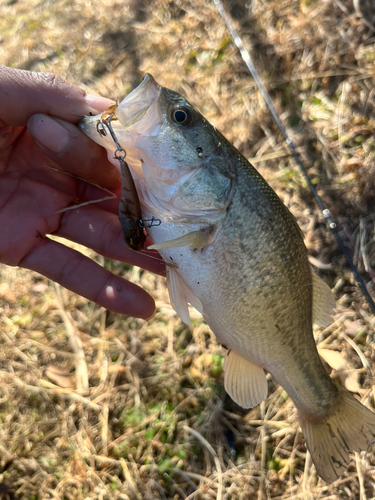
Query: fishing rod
[325, 211]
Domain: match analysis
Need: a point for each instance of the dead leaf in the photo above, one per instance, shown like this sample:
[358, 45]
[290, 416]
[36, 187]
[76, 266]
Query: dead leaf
[348, 375]
[59, 375]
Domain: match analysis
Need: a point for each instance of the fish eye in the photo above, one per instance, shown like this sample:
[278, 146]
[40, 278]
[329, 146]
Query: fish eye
[181, 115]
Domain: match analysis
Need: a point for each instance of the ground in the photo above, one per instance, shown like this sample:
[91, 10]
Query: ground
[155, 422]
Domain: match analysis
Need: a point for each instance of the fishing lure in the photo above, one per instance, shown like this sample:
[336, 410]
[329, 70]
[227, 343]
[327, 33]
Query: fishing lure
[130, 214]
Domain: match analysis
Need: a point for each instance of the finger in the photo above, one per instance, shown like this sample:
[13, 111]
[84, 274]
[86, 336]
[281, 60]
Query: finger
[24, 93]
[72, 150]
[85, 277]
[100, 230]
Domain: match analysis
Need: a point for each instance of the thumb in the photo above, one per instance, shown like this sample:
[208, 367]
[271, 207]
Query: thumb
[25, 93]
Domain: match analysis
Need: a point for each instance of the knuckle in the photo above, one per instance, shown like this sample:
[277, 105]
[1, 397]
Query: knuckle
[49, 79]
[69, 268]
[111, 234]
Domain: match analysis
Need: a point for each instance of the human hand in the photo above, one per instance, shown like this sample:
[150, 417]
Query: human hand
[31, 192]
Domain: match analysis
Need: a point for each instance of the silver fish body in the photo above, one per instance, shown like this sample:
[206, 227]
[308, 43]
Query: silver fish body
[238, 256]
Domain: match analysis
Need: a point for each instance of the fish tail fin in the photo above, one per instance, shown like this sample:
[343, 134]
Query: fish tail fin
[350, 427]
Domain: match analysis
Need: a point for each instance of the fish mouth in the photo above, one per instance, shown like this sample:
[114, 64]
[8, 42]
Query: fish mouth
[141, 103]
[139, 114]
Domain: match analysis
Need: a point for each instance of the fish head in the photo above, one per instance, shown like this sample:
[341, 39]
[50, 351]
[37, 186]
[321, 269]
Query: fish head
[182, 166]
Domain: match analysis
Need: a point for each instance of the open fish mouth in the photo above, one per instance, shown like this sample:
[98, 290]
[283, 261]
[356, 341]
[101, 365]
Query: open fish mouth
[141, 105]
[138, 114]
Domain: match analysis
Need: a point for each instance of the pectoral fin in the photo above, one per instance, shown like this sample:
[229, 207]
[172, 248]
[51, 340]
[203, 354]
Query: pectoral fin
[323, 302]
[245, 382]
[180, 295]
[195, 239]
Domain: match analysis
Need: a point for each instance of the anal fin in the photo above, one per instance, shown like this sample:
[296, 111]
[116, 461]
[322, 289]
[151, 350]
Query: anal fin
[180, 295]
[245, 382]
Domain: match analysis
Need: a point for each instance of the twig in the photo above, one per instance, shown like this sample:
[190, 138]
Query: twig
[358, 351]
[269, 156]
[320, 265]
[269, 423]
[81, 366]
[105, 411]
[346, 88]
[306, 471]
[214, 454]
[263, 453]
[362, 491]
[85, 203]
[44, 386]
[90, 202]
[128, 478]
[46, 347]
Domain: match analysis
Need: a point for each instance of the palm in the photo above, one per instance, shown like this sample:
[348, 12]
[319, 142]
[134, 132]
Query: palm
[30, 196]
[34, 188]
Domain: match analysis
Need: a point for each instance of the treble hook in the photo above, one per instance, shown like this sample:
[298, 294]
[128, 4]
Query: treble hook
[100, 127]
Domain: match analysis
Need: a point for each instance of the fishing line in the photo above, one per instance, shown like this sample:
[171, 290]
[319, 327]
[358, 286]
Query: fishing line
[325, 211]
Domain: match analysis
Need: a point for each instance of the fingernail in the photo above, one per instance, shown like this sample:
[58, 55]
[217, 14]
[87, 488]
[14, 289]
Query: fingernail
[48, 133]
[152, 316]
[98, 103]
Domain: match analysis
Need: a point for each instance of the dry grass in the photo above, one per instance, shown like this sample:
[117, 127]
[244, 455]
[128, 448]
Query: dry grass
[98, 406]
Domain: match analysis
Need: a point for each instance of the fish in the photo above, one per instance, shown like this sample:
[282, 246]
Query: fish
[235, 252]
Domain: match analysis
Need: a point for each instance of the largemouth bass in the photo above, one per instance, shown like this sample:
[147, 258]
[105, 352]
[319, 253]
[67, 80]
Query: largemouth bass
[237, 255]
